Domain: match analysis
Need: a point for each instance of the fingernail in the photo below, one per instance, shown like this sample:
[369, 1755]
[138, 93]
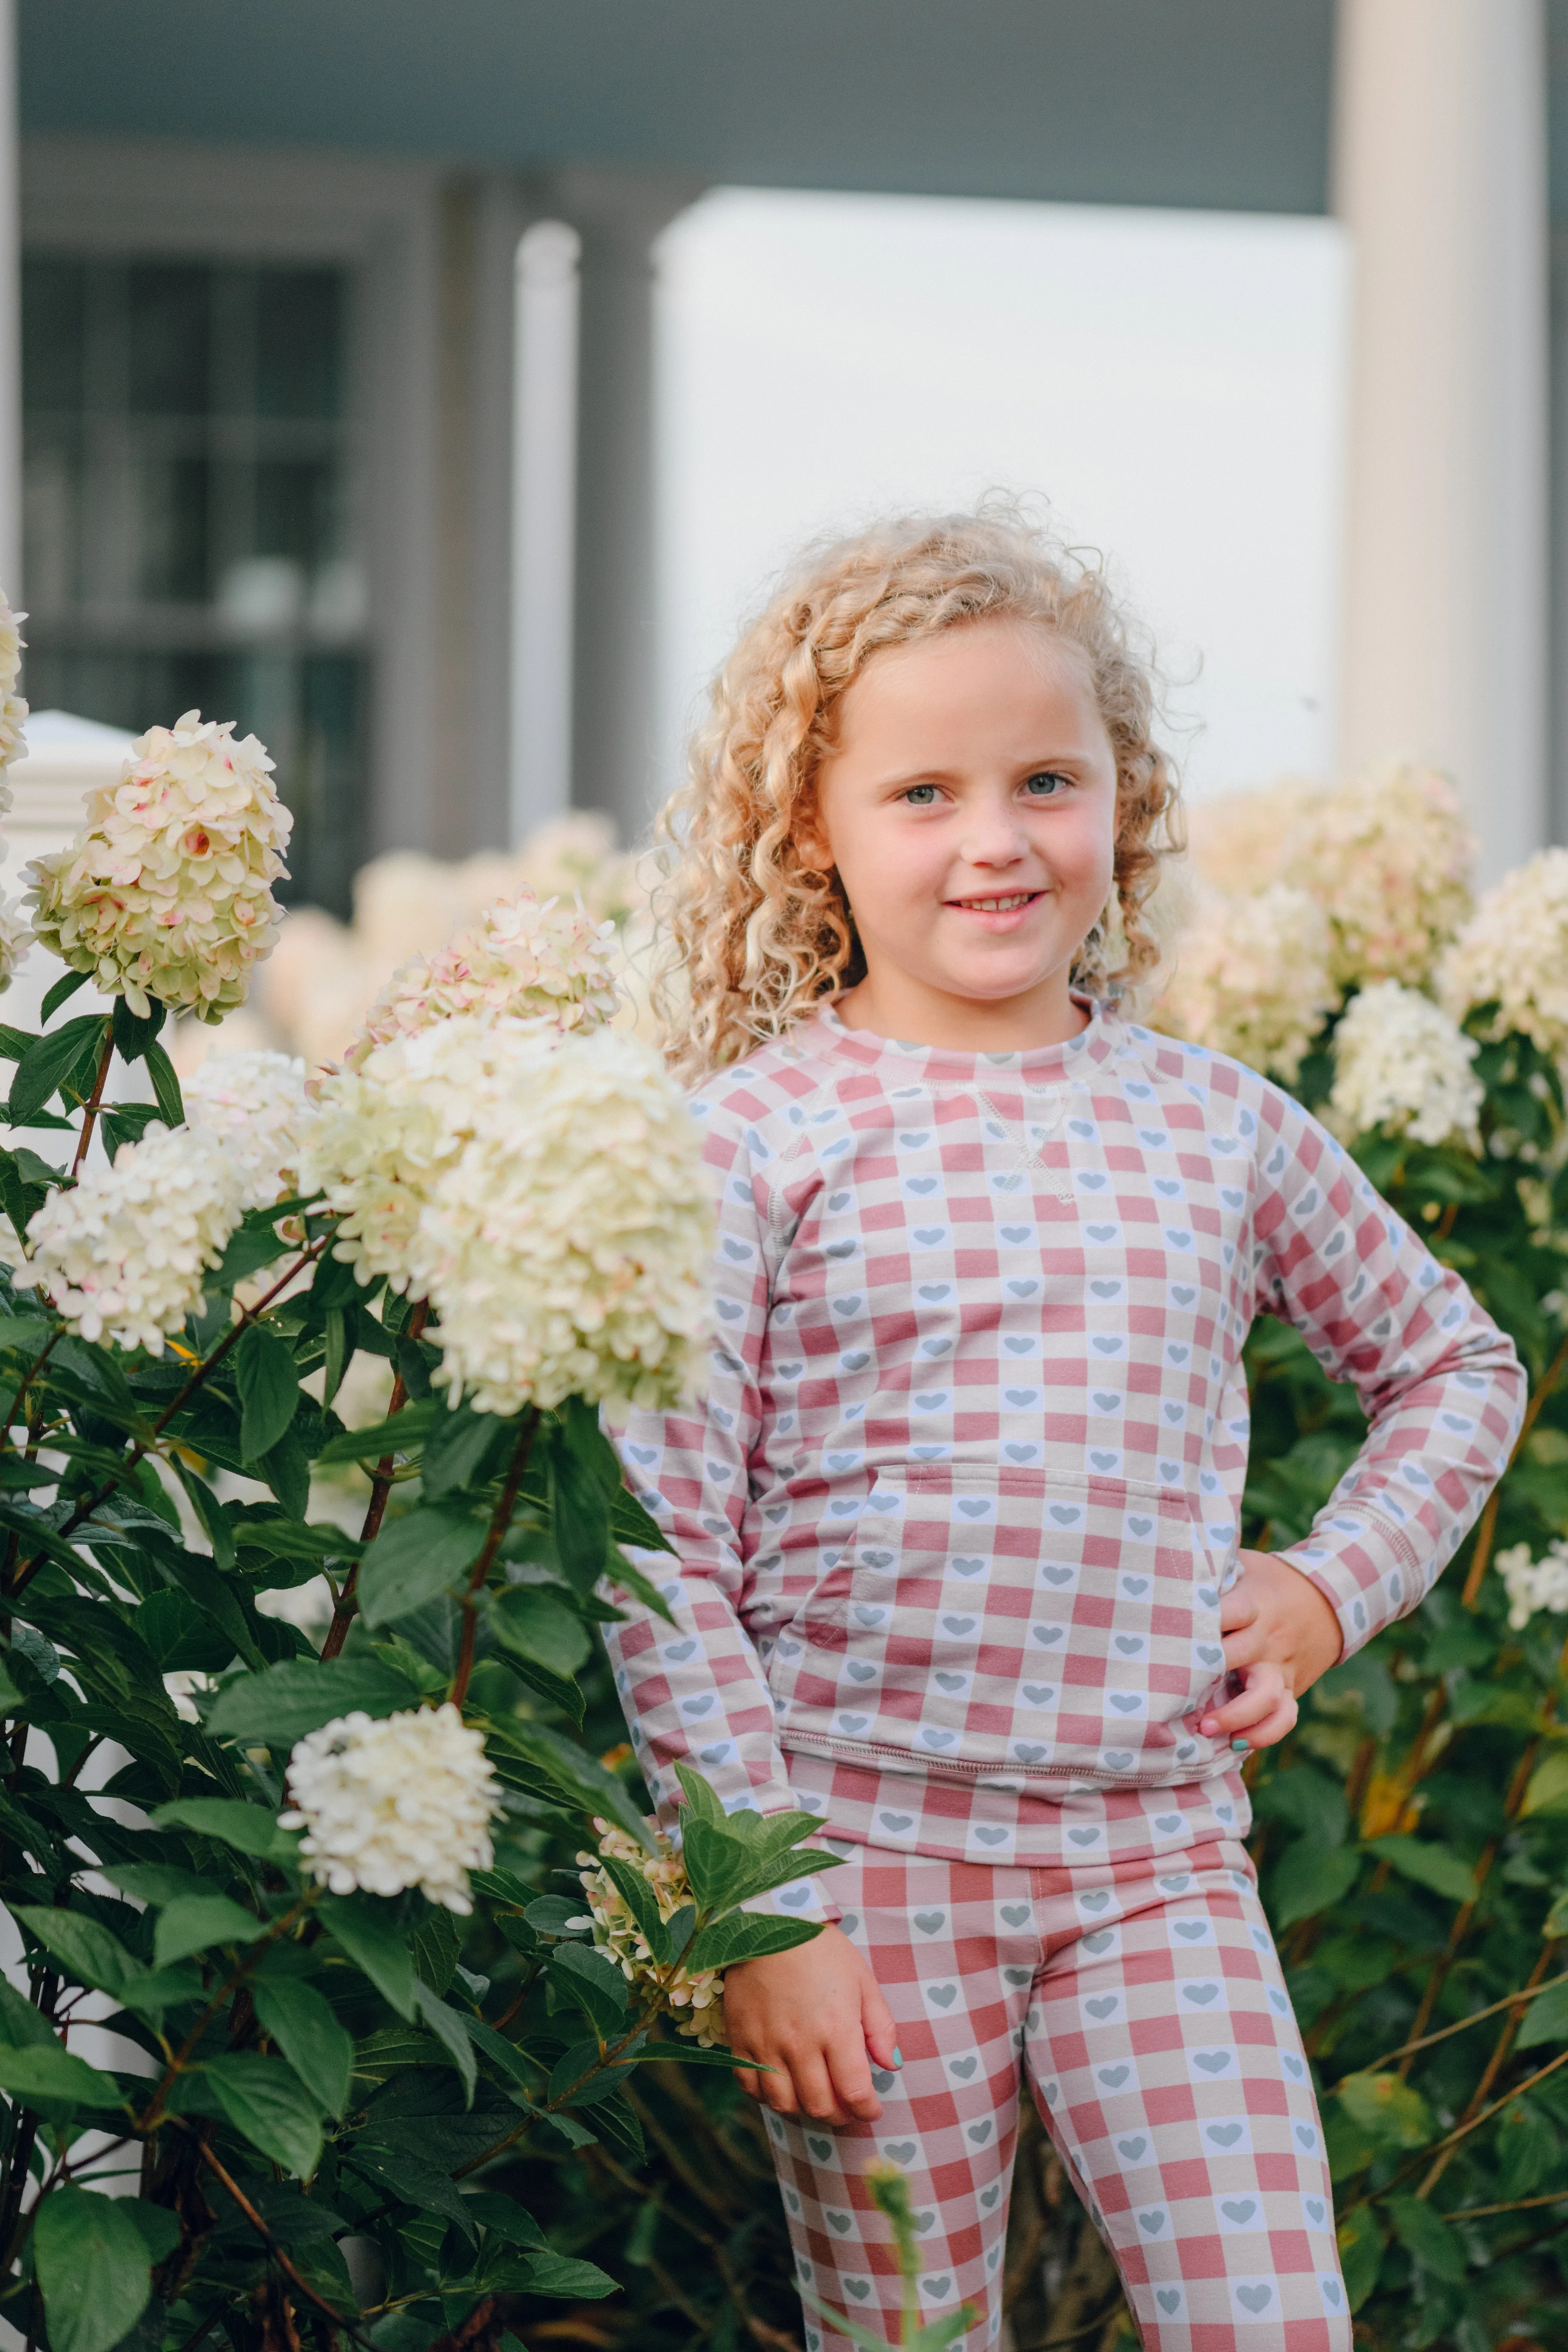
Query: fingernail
[898, 2055]
[1241, 1746]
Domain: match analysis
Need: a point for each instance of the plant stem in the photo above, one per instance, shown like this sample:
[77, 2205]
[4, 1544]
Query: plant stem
[90, 1108]
[275, 2248]
[346, 1603]
[1493, 2068]
[144, 1445]
[1511, 2001]
[500, 1520]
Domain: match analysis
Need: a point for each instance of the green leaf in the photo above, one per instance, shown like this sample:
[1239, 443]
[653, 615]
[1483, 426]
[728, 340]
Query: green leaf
[1425, 2234]
[165, 1086]
[90, 1952]
[276, 1708]
[450, 2030]
[21, 2026]
[264, 1529]
[1546, 2019]
[403, 1433]
[48, 1061]
[746, 1935]
[592, 1981]
[249, 1828]
[134, 1032]
[580, 1490]
[159, 2229]
[62, 990]
[416, 1558]
[1428, 1865]
[269, 1389]
[161, 1989]
[45, 2070]
[93, 2266]
[564, 2274]
[302, 2024]
[630, 1524]
[398, 2172]
[1388, 2111]
[267, 2105]
[1309, 1879]
[251, 1246]
[193, 1923]
[581, 1780]
[1548, 1789]
[367, 1929]
[530, 1619]
[458, 1447]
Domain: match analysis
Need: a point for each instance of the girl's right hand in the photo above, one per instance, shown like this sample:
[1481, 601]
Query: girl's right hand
[814, 2017]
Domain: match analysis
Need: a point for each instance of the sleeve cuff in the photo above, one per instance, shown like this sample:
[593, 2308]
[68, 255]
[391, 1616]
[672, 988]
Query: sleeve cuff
[1366, 1570]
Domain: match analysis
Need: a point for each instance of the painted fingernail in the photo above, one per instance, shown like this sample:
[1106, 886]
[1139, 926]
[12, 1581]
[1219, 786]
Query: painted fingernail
[1241, 1746]
[898, 2055]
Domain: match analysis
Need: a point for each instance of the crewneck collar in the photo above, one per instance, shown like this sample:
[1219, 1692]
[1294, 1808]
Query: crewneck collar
[1094, 1044]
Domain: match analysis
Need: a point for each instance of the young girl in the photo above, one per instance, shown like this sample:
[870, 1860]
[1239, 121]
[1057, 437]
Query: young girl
[956, 1518]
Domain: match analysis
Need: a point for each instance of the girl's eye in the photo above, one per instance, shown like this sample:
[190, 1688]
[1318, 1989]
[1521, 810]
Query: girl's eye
[1046, 786]
[920, 795]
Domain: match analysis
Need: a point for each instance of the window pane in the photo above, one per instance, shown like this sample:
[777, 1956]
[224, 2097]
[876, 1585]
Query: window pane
[189, 447]
[168, 337]
[298, 342]
[53, 334]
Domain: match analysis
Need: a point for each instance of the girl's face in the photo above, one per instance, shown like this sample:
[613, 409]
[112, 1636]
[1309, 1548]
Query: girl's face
[969, 804]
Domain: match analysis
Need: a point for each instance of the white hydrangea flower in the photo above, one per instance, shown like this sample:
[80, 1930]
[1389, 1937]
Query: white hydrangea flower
[378, 1137]
[695, 2003]
[254, 1103]
[387, 1805]
[548, 963]
[1237, 840]
[1402, 1065]
[12, 709]
[566, 1248]
[1252, 978]
[1513, 953]
[122, 1253]
[1388, 856]
[15, 930]
[1533, 1584]
[166, 891]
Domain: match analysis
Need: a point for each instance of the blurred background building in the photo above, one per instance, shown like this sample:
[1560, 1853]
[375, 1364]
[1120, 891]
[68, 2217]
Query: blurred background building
[431, 389]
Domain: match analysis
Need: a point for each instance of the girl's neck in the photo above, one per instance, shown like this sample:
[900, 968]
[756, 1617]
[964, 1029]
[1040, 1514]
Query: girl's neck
[900, 1008]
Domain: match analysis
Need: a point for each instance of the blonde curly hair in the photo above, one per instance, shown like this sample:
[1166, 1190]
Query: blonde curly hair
[753, 938]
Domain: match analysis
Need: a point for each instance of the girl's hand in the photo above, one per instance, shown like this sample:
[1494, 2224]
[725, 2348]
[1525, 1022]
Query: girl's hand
[815, 2016]
[1279, 1635]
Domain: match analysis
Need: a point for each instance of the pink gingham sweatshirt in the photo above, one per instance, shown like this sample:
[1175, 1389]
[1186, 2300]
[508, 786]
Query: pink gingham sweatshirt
[954, 1515]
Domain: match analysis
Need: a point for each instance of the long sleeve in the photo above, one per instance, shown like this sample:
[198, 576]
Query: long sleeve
[1441, 1385]
[695, 1691]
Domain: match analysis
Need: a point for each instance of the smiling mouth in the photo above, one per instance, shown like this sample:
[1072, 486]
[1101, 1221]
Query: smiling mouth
[1005, 906]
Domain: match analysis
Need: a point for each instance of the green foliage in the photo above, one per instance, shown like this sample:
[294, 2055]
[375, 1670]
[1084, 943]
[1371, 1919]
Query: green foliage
[1412, 1834]
[307, 2071]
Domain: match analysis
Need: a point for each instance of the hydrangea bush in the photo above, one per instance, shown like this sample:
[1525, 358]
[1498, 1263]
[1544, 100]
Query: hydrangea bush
[1413, 1834]
[288, 1997]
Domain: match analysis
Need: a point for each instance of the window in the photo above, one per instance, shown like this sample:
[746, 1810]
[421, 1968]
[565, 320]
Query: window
[191, 524]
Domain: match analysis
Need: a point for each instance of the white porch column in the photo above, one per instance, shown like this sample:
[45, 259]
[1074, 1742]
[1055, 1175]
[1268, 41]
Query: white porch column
[544, 523]
[1440, 176]
[10, 317]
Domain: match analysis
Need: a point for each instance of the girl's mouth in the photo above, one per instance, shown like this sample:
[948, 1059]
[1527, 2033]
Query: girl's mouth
[1003, 911]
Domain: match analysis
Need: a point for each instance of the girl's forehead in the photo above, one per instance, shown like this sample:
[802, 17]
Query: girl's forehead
[1007, 658]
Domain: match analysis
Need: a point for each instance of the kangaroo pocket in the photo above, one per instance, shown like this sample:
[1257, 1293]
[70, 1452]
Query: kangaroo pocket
[1014, 1622]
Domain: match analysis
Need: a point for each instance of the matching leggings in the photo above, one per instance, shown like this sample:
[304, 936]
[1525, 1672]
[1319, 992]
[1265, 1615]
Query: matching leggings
[1148, 2011]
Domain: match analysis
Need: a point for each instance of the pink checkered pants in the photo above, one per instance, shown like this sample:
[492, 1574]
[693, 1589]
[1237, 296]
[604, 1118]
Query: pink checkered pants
[1144, 2003]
